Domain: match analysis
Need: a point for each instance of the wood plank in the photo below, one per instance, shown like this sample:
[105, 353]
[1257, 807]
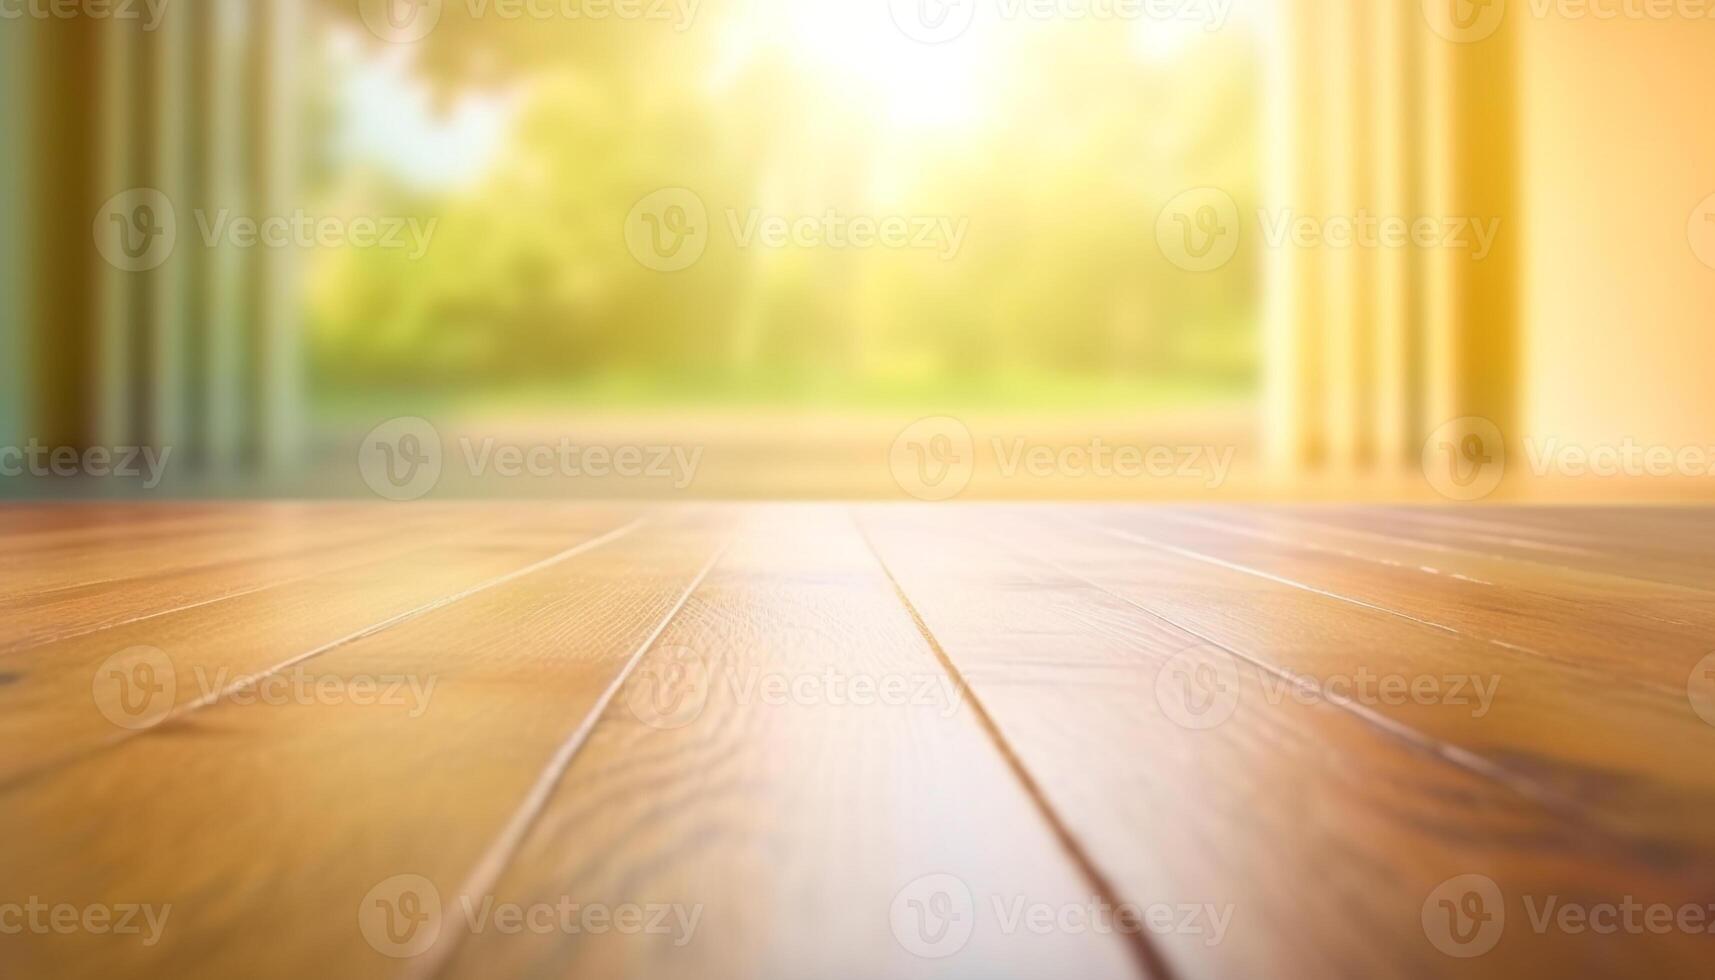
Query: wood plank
[28, 523]
[1630, 763]
[62, 700]
[1669, 545]
[1616, 640]
[1582, 559]
[795, 821]
[31, 618]
[1331, 836]
[263, 822]
[97, 561]
[1600, 586]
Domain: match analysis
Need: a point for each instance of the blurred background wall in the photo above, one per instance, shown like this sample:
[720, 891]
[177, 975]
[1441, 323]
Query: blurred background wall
[1064, 170]
[1619, 156]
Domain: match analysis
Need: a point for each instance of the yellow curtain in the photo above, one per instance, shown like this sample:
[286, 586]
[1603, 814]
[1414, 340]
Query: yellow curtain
[1369, 350]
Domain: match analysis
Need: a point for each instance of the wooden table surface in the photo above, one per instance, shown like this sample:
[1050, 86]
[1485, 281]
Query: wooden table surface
[820, 741]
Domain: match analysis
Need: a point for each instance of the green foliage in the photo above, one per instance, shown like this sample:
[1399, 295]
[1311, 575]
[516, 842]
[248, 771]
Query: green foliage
[1074, 146]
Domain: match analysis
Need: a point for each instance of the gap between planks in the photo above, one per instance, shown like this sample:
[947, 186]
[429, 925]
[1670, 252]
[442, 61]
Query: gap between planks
[499, 854]
[1148, 958]
[582, 547]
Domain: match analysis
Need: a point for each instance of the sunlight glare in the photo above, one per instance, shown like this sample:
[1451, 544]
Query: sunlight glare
[855, 48]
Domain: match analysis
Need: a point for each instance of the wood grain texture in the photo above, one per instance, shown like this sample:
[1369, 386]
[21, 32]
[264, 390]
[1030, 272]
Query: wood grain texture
[1669, 545]
[1324, 831]
[61, 563]
[823, 741]
[69, 698]
[1632, 763]
[823, 763]
[187, 574]
[1620, 641]
[264, 822]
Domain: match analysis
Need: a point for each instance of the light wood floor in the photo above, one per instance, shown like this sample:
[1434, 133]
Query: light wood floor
[817, 741]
